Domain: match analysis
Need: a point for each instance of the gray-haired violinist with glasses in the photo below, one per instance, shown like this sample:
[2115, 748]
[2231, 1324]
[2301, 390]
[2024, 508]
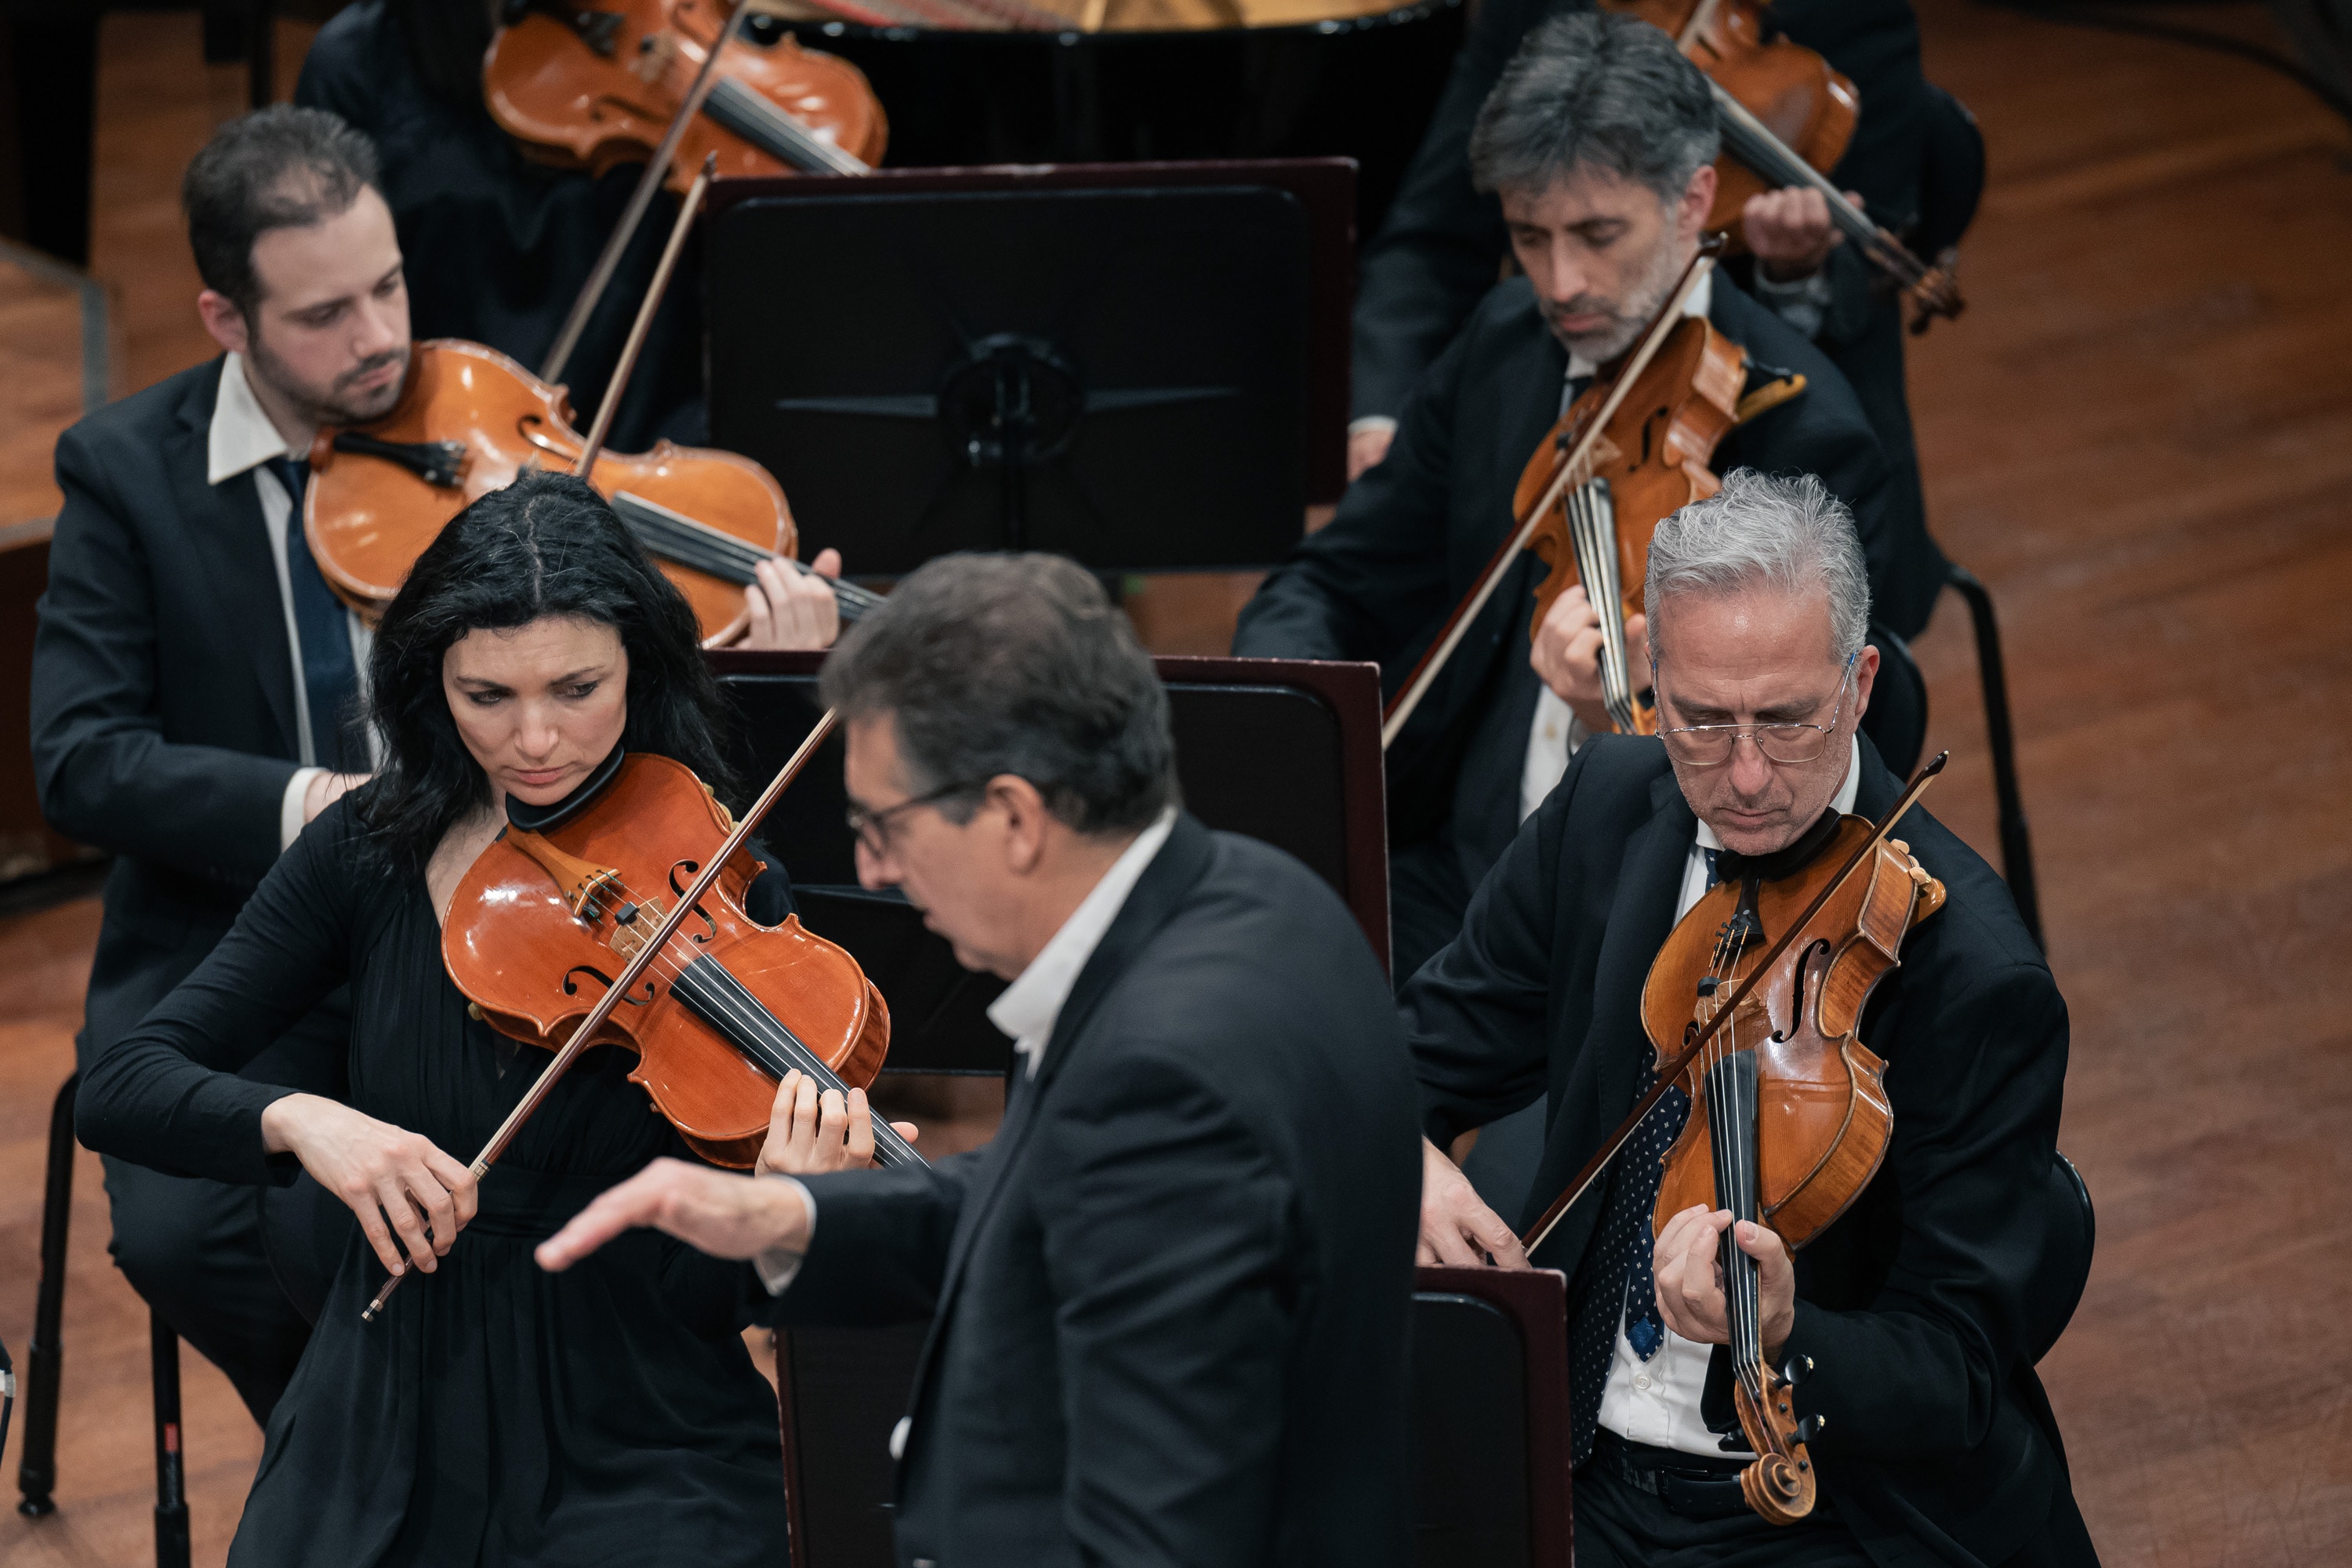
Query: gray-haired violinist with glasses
[1915, 1313]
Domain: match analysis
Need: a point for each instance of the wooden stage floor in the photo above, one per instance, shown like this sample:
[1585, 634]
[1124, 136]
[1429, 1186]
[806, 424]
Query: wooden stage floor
[2140, 437]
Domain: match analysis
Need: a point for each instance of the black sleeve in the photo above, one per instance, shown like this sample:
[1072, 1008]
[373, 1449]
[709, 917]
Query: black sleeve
[1477, 1014]
[107, 776]
[166, 1094]
[1170, 1237]
[1918, 1376]
[1372, 578]
[1442, 243]
[880, 1250]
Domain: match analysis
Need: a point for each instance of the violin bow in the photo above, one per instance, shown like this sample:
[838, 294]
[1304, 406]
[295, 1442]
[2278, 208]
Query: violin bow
[585, 467]
[1673, 1071]
[657, 169]
[583, 1036]
[1424, 674]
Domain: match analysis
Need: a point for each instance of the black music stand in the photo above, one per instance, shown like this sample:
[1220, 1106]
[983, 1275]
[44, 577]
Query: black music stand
[1134, 367]
[1491, 1450]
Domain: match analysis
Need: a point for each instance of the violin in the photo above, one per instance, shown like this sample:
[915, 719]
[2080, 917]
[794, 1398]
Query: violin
[1753, 1007]
[594, 87]
[470, 419]
[1632, 448]
[631, 892]
[1787, 119]
[1651, 460]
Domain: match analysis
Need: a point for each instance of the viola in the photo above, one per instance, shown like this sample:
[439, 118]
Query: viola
[1632, 448]
[468, 420]
[594, 87]
[616, 918]
[1754, 1007]
[1787, 119]
[1650, 461]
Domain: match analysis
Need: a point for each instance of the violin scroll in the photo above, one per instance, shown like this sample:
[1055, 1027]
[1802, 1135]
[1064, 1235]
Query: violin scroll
[1780, 1485]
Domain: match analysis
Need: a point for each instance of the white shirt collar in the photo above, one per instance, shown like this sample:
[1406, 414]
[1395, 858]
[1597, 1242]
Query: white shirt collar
[1701, 298]
[241, 438]
[1030, 1005]
[1843, 805]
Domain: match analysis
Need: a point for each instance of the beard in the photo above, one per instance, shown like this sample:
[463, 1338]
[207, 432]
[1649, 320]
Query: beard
[342, 402]
[1625, 318]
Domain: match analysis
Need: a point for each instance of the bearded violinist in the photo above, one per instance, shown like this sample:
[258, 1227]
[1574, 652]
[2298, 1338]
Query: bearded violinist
[1437, 250]
[1917, 1307]
[1600, 140]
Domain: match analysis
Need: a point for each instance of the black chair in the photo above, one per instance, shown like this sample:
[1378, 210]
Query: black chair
[36, 1470]
[1896, 719]
[2065, 1266]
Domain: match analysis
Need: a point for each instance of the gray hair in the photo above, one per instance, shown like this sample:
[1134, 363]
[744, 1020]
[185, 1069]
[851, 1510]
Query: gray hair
[1597, 89]
[1786, 532]
[1012, 664]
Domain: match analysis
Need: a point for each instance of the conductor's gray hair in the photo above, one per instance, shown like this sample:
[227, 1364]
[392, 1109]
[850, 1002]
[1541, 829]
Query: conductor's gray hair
[1012, 664]
[1783, 531]
[1595, 88]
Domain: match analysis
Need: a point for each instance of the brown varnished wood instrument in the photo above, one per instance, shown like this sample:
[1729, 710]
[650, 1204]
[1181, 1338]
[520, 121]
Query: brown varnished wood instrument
[1787, 119]
[1753, 1007]
[618, 920]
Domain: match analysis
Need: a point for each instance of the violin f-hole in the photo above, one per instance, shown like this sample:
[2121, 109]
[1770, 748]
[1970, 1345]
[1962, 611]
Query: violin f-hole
[691, 869]
[571, 987]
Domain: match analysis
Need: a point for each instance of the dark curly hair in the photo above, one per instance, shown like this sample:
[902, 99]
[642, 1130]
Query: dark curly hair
[545, 545]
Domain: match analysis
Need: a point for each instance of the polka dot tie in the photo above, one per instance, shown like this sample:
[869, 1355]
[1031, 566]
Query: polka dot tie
[1618, 1267]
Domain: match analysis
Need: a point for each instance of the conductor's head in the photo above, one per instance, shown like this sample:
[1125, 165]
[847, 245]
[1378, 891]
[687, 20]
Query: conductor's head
[1007, 739]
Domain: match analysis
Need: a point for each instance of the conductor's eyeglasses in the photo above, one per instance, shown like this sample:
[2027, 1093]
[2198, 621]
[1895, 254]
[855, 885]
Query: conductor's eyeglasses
[1710, 745]
[873, 827]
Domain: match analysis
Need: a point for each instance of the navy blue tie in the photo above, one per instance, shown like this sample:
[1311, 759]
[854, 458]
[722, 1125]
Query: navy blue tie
[331, 676]
[1621, 1268]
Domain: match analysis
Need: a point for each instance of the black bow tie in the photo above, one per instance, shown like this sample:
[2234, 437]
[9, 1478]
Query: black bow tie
[1731, 865]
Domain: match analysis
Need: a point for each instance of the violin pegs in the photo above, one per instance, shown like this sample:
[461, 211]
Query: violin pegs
[1795, 1370]
[1810, 1428]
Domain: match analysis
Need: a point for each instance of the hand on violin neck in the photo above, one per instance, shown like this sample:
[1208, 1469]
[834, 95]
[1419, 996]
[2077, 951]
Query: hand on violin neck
[1457, 1229]
[1790, 231]
[406, 1193]
[1685, 1265]
[1566, 655]
[789, 609]
[810, 1131]
[716, 1212]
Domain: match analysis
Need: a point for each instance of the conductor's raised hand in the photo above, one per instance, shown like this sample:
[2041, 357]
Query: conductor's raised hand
[716, 1212]
[811, 1131]
[1457, 1229]
[398, 1182]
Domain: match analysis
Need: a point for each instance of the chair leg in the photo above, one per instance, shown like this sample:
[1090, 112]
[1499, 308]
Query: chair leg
[171, 1488]
[2016, 843]
[36, 1466]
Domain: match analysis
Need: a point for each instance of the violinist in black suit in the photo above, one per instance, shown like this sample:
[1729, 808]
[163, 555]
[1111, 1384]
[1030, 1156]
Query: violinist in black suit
[1915, 1310]
[194, 678]
[1600, 140]
[1438, 248]
[1168, 1301]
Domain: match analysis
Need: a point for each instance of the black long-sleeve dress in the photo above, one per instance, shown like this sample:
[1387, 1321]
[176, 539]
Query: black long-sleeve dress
[496, 1414]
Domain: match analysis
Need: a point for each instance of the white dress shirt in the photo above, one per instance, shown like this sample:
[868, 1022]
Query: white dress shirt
[1656, 1401]
[1031, 1006]
[241, 440]
[1557, 731]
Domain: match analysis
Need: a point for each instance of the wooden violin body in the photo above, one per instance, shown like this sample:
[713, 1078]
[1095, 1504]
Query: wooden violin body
[596, 88]
[1650, 461]
[1812, 109]
[1789, 1114]
[468, 421]
[543, 921]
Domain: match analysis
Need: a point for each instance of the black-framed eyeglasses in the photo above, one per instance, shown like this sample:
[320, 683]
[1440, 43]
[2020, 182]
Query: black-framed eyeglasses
[1711, 745]
[873, 827]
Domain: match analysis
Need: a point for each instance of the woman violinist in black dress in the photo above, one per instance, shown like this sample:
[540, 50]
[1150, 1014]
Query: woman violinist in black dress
[494, 1414]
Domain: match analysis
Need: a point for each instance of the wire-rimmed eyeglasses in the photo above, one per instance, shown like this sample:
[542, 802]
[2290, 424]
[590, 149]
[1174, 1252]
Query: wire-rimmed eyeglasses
[873, 827]
[1711, 745]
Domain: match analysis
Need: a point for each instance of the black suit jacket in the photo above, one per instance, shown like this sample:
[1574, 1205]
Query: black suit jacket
[1168, 1300]
[1412, 536]
[1939, 1444]
[163, 694]
[1438, 248]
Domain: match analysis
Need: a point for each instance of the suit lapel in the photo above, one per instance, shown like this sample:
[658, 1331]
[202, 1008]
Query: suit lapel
[227, 535]
[1163, 886]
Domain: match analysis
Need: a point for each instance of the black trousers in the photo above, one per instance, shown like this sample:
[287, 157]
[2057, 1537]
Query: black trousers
[1620, 1526]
